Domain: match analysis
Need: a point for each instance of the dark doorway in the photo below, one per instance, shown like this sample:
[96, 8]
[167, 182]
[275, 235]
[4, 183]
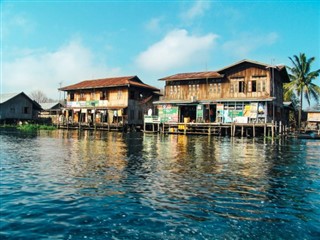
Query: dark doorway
[188, 112]
[212, 112]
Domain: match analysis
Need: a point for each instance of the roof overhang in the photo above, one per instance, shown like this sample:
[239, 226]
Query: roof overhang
[177, 102]
[215, 101]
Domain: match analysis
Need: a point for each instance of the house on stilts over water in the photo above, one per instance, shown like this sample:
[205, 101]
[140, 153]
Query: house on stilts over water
[109, 103]
[243, 98]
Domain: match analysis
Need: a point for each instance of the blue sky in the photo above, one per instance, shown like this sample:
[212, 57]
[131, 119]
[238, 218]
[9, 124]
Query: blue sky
[45, 43]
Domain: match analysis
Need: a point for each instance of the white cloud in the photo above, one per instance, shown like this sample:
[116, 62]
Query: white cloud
[247, 43]
[197, 9]
[41, 70]
[177, 48]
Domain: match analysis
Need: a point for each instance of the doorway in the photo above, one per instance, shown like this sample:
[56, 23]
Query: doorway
[212, 112]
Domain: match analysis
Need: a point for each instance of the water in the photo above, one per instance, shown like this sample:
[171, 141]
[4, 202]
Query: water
[70, 185]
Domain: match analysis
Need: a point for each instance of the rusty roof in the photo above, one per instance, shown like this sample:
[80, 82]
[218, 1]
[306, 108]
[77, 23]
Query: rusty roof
[109, 82]
[192, 76]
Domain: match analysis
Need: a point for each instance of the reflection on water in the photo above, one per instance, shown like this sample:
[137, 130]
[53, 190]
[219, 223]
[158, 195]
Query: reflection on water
[71, 185]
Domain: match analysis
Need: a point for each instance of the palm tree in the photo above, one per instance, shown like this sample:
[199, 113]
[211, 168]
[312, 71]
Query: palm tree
[301, 84]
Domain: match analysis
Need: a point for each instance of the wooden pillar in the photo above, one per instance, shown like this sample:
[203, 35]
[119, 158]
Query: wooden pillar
[94, 120]
[254, 130]
[233, 130]
[265, 130]
[209, 129]
[242, 131]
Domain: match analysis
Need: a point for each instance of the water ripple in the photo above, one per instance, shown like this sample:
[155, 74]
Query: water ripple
[93, 185]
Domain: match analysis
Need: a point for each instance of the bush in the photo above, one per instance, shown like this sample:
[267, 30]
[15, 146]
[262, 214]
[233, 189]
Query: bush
[35, 127]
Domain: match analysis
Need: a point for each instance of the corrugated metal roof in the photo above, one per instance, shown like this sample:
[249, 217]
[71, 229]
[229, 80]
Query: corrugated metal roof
[52, 105]
[109, 82]
[193, 75]
[4, 97]
[243, 61]
[220, 73]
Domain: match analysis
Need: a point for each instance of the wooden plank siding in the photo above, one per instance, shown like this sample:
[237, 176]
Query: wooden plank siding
[224, 88]
[236, 91]
[119, 100]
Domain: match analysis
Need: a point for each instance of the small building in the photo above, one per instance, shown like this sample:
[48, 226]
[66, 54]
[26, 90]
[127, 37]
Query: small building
[244, 92]
[313, 119]
[117, 100]
[18, 107]
[51, 111]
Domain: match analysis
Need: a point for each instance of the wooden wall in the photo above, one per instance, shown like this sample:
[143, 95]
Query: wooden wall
[19, 107]
[227, 87]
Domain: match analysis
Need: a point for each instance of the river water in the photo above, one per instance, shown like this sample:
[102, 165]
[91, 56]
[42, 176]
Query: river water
[107, 185]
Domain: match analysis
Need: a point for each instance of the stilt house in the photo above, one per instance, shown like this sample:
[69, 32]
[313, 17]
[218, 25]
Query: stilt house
[244, 92]
[16, 107]
[117, 100]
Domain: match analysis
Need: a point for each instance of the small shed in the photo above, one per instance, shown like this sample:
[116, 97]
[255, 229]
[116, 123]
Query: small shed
[18, 106]
[51, 110]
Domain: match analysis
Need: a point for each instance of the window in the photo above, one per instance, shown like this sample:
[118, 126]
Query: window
[231, 88]
[253, 86]
[82, 97]
[238, 84]
[171, 90]
[214, 88]
[103, 95]
[263, 85]
[210, 88]
[219, 87]
[258, 86]
[119, 96]
[26, 110]
[71, 96]
[260, 83]
[241, 86]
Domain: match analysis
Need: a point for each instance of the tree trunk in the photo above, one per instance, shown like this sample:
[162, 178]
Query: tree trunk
[300, 112]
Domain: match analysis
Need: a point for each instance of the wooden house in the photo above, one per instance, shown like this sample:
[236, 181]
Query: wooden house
[244, 92]
[16, 107]
[51, 111]
[117, 100]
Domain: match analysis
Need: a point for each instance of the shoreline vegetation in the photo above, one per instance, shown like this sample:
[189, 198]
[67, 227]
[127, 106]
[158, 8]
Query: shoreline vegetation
[30, 127]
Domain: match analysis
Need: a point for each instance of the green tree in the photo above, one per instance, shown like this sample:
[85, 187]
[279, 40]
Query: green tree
[301, 82]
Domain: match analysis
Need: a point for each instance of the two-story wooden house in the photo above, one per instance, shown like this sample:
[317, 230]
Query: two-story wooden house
[247, 91]
[118, 100]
